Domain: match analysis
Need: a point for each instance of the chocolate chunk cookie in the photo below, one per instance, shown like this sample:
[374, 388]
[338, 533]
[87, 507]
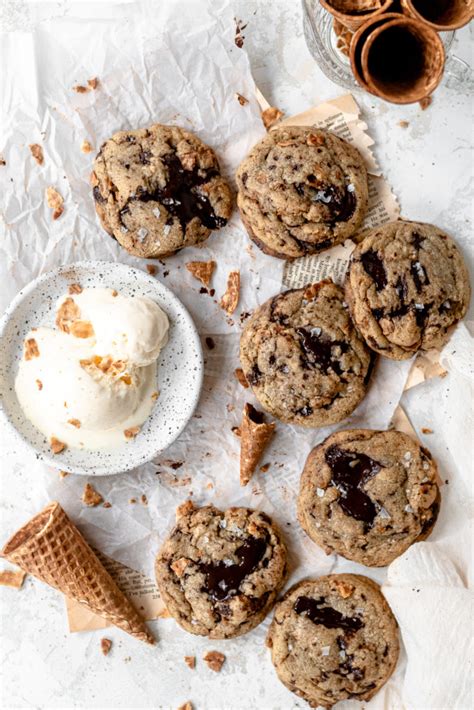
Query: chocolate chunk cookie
[301, 190]
[159, 189]
[368, 495]
[406, 285]
[219, 572]
[334, 638]
[303, 357]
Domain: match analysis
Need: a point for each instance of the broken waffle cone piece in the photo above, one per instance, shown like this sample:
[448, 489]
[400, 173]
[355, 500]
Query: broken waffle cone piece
[255, 434]
[51, 548]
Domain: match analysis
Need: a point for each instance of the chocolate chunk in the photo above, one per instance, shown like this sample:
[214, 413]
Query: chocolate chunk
[374, 267]
[350, 471]
[182, 195]
[222, 580]
[316, 610]
[254, 376]
[419, 276]
[98, 195]
[318, 349]
[340, 203]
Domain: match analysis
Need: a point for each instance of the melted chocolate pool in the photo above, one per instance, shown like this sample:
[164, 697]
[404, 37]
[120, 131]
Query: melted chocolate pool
[223, 581]
[350, 471]
[316, 610]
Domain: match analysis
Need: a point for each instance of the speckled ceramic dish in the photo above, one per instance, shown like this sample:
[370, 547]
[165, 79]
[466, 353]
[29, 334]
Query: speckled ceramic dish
[180, 365]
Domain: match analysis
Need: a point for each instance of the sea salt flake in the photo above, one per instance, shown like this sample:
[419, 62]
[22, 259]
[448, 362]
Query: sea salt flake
[408, 509]
[325, 650]
[142, 233]
[320, 492]
[223, 523]
[342, 654]
[426, 467]
[315, 331]
[419, 306]
[407, 456]
[166, 229]
[353, 463]
[290, 647]
[227, 561]
[156, 212]
[351, 187]
[384, 514]
[123, 229]
[447, 304]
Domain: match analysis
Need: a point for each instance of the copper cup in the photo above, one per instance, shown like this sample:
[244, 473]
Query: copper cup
[358, 40]
[441, 15]
[402, 60]
[353, 13]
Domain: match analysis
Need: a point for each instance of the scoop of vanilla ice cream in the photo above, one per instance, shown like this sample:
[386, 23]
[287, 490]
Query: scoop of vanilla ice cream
[91, 383]
[64, 392]
[133, 329]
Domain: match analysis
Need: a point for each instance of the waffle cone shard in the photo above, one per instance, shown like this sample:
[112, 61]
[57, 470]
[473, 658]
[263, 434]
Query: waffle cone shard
[51, 548]
[255, 434]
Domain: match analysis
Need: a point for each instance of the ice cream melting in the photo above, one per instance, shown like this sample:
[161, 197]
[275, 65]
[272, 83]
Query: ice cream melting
[91, 383]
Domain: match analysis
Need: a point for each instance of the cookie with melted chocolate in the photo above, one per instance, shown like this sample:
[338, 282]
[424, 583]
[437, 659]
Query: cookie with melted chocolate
[301, 190]
[368, 495]
[159, 189]
[334, 638]
[406, 285]
[303, 358]
[219, 572]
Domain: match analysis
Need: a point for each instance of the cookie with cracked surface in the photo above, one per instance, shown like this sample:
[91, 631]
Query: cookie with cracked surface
[406, 285]
[303, 358]
[219, 572]
[334, 638]
[368, 495]
[159, 189]
[301, 190]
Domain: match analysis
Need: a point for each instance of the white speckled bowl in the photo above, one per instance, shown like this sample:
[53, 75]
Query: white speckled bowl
[180, 365]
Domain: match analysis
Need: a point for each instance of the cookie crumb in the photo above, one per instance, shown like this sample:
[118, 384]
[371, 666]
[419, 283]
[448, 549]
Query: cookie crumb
[80, 89]
[31, 349]
[239, 37]
[90, 496]
[55, 202]
[230, 299]
[241, 99]
[143, 499]
[56, 445]
[190, 661]
[239, 373]
[201, 270]
[132, 501]
[105, 646]
[151, 268]
[37, 153]
[210, 343]
[74, 288]
[93, 83]
[63, 474]
[427, 430]
[265, 467]
[164, 614]
[132, 432]
[2, 161]
[74, 422]
[86, 146]
[271, 116]
[236, 430]
[12, 578]
[425, 103]
[403, 124]
[215, 660]
[107, 504]
[186, 706]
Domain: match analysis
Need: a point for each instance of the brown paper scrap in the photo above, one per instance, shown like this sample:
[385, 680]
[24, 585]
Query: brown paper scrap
[140, 589]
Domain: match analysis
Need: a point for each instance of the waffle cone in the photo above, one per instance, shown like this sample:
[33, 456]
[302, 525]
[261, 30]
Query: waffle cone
[254, 437]
[51, 548]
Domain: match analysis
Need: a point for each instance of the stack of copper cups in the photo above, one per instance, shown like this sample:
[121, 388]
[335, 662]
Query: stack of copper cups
[395, 50]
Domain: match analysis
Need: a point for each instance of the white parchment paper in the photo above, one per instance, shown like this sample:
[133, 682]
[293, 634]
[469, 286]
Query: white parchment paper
[178, 63]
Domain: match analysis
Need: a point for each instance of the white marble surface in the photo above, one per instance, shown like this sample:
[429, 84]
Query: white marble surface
[429, 166]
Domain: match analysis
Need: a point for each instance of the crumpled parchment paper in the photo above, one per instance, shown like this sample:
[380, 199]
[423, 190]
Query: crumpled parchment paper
[178, 63]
